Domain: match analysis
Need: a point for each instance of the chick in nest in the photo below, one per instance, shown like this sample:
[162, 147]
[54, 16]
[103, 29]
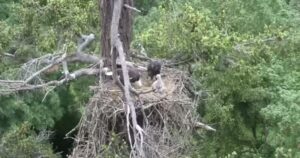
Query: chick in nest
[158, 85]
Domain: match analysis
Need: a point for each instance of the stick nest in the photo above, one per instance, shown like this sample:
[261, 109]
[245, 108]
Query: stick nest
[167, 120]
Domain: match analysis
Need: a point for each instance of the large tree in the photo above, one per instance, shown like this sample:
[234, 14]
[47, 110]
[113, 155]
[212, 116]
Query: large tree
[125, 27]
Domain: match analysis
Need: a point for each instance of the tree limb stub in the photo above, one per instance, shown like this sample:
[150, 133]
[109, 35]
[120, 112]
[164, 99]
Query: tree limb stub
[87, 40]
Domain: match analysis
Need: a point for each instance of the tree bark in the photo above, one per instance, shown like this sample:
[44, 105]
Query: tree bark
[125, 28]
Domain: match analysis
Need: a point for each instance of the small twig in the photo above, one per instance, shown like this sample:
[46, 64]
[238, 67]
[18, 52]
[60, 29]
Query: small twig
[202, 125]
[144, 92]
[73, 130]
[11, 81]
[23, 86]
[132, 8]
[48, 91]
[9, 55]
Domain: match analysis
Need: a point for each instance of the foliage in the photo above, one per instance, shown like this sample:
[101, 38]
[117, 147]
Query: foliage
[29, 29]
[245, 56]
[23, 142]
[32, 108]
[246, 59]
[182, 28]
[34, 27]
[145, 5]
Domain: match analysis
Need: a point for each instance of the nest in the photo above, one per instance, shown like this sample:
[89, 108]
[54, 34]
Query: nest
[167, 120]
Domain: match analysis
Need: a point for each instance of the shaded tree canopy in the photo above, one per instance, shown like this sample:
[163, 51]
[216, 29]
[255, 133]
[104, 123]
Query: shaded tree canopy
[240, 60]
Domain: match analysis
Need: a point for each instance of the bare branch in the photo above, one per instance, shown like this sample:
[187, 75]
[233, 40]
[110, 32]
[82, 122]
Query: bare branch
[116, 43]
[83, 57]
[44, 69]
[132, 8]
[207, 127]
[53, 60]
[11, 81]
[87, 40]
[65, 68]
[17, 86]
[9, 55]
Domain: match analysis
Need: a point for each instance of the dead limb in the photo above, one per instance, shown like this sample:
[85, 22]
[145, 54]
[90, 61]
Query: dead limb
[56, 59]
[11, 86]
[9, 55]
[136, 148]
[87, 39]
[44, 69]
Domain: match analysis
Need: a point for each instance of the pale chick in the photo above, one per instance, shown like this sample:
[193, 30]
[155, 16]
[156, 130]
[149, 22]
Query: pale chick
[158, 86]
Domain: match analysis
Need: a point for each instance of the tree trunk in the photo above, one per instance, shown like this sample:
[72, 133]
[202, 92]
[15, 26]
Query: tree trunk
[125, 28]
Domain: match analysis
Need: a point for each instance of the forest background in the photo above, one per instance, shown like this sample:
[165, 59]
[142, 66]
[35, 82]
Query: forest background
[244, 59]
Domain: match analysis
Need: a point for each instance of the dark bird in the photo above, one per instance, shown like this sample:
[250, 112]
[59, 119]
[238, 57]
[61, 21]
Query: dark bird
[134, 76]
[153, 68]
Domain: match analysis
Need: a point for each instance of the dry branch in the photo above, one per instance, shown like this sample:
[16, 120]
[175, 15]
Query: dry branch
[44, 69]
[137, 149]
[32, 70]
[132, 8]
[9, 55]
[87, 40]
[11, 86]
